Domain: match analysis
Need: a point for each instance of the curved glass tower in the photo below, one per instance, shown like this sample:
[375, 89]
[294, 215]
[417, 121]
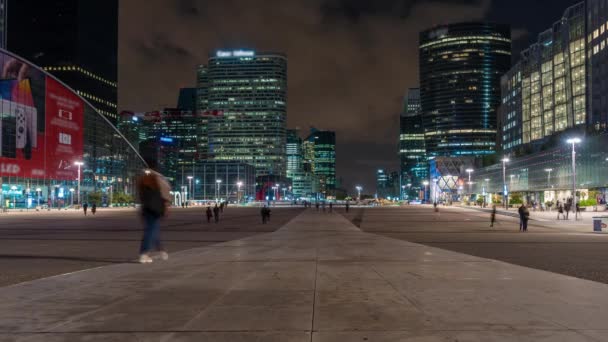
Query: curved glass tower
[460, 69]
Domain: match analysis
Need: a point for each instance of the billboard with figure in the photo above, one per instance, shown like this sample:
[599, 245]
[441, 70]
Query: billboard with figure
[41, 123]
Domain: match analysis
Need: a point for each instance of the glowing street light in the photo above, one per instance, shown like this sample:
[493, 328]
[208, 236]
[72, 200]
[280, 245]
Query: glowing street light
[239, 184]
[359, 188]
[505, 193]
[79, 164]
[217, 188]
[574, 141]
[426, 184]
[469, 171]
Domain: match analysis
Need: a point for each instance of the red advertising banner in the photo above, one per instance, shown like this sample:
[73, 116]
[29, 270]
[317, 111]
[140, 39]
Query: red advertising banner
[64, 131]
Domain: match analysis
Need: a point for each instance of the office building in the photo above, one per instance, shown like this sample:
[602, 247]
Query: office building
[387, 185]
[544, 94]
[460, 69]
[323, 144]
[187, 99]
[202, 104]
[251, 90]
[2, 24]
[76, 41]
[597, 40]
[293, 152]
[412, 151]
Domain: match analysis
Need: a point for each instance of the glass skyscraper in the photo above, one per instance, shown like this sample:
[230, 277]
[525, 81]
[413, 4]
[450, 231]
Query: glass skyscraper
[251, 90]
[412, 151]
[324, 166]
[544, 93]
[460, 69]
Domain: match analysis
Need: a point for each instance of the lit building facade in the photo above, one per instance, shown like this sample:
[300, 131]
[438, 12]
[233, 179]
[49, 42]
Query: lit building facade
[544, 94]
[251, 90]
[324, 167]
[412, 151]
[293, 152]
[460, 70]
[76, 41]
[597, 40]
[47, 128]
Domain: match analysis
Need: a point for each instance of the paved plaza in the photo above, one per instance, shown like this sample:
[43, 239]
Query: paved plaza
[319, 277]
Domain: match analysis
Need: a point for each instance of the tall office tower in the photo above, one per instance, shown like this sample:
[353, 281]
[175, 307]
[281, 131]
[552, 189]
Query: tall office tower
[251, 90]
[202, 104]
[324, 147]
[543, 94]
[412, 151]
[460, 69]
[76, 41]
[597, 38]
[187, 99]
[294, 152]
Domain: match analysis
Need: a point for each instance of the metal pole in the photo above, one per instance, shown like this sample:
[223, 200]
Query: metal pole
[504, 184]
[78, 184]
[574, 181]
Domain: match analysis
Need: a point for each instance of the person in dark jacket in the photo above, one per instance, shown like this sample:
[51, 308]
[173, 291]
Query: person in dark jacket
[493, 216]
[85, 207]
[265, 212]
[524, 216]
[93, 208]
[216, 213]
[347, 205]
[209, 214]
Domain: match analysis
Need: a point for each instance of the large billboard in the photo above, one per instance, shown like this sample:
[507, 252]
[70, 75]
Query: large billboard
[41, 124]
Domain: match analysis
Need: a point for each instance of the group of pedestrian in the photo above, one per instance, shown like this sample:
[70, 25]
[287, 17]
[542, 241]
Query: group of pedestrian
[85, 207]
[524, 216]
[214, 213]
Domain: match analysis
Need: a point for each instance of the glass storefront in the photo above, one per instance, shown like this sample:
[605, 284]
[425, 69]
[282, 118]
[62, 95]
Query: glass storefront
[46, 129]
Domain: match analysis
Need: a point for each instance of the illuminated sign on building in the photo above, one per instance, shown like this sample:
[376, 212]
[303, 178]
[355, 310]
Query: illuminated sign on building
[165, 139]
[235, 53]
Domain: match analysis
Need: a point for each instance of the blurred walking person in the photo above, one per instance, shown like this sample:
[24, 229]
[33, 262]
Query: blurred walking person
[216, 213]
[493, 216]
[331, 207]
[85, 207]
[153, 192]
[347, 205]
[209, 214]
[93, 208]
[265, 212]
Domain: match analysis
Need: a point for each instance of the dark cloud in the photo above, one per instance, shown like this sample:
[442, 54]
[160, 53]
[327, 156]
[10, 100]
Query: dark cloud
[350, 62]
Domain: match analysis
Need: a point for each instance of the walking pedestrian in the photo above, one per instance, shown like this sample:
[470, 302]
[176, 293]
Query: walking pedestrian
[435, 206]
[524, 215]
[317, 205]
[323, 206]
[216, 213]
[153, 191]
[93, 208]
[222, 207]
[85, 207]
[493, 215]
[560, 210]
[525, 219]
[347, 205]
[209, 214]
[265, 214]
[331, 207]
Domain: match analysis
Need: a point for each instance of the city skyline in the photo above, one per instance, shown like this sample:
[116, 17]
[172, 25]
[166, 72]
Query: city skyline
[346, 72]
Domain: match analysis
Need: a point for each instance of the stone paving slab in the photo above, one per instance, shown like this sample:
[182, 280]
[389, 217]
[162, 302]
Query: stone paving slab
[318, 278]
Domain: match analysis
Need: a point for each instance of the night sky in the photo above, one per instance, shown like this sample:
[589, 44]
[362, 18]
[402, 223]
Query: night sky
[350, 61]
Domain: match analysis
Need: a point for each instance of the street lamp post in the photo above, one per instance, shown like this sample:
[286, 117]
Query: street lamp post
[505, 193]
[217, 188]
[79, 164]
[426, 184]
[239, 184]
[469, 171]
[574, 141]
[72, 195]
[190, 185]
[38, 191]
[276, 191]
[359, 188]
[14, 188]
[548, 177]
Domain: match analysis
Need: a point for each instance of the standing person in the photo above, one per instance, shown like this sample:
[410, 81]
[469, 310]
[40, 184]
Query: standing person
[493, 216]
[317, 205]
[93, 208]
[153, 192]
[525, 219]
[216, 213]
[209, 214]
[435, 206]
[560, 210]
[331, 207]
[521, 212]
[222, 207]
[265, 214]
[85, 207]
[347, 205]
[323, 205]
[578, 209]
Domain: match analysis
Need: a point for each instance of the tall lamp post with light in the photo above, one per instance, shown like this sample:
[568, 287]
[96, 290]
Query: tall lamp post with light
[359, 188]
[190, 186]
[426, 184]
[38, 192]
[239, 184]
[573, 142]
[217, 189]
[469, 171]
[505, 192]
[79, 164]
